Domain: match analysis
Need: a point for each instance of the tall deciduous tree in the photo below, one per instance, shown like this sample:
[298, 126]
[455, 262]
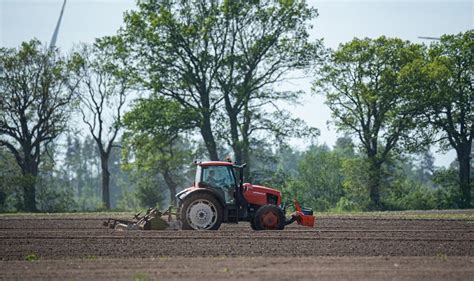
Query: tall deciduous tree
[361, 82]
[212, 54]
[320, 177]
[102, 95]
[35, 93]
[443, 91]
[173, 49]
[153, 136]
[264, 40]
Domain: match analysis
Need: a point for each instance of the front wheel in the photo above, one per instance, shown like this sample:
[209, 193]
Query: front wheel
[269, 217]
[201, 212]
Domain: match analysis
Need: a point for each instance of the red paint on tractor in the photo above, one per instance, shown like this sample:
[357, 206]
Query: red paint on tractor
[269, 220]
[215, 163]
[257, 194]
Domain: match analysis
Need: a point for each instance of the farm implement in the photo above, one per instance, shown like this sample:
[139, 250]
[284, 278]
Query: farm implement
[218, 196]
[153, 219]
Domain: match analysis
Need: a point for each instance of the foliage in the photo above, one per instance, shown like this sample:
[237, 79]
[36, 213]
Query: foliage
[178, 40]
[448, 196]
[210, 67]
[129, 200]
[155, 146]
[262, 42]
[10, 182]
[408, 195]
[362, 85]
[346, 205]
[102, 92]
[140, 276]
[36, 89]
[317, 182]
[81, 171]
[441, 89]
[32, 257]
[218, 60]
[149, 190]
[355, 183]
[320, 176]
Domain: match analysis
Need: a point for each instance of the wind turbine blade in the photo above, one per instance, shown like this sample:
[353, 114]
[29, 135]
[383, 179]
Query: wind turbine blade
[56, 30]
[429, 38]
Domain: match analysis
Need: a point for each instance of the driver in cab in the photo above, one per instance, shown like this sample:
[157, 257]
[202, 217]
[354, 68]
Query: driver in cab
[211, 179]
[220, 183]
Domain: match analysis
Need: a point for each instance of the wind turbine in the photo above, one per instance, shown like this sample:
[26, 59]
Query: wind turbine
[56, 30]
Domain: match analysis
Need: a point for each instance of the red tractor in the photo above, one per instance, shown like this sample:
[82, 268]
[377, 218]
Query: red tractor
[217, 197]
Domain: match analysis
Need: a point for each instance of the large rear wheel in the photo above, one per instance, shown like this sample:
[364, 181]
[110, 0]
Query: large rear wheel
[269, 217]
[201, 212]
[252, 224]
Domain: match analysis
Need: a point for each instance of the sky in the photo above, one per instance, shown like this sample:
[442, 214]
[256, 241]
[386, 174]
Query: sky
[339, 21]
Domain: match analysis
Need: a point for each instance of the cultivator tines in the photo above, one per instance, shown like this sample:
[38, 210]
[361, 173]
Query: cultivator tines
[153, 219]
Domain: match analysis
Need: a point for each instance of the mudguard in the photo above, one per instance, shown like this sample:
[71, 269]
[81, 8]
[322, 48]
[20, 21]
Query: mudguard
[194, 190]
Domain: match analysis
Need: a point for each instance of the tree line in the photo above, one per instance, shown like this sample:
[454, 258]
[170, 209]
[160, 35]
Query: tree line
[181, 81]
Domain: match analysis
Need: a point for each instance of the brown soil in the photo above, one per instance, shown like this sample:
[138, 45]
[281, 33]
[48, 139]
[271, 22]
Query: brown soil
[338, 248]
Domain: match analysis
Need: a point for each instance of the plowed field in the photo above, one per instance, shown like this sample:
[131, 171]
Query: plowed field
[339, 247]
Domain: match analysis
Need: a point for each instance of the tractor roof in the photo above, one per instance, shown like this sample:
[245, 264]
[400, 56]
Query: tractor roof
[214, 163]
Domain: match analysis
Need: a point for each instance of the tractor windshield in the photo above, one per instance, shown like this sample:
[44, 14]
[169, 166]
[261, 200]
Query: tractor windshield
[221, 178]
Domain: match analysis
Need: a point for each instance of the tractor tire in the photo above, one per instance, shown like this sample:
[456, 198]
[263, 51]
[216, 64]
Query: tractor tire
[201, 211]
[252, 224]
[269, 217]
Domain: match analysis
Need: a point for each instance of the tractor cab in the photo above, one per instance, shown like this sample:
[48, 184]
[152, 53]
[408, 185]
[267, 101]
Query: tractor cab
[220, 178]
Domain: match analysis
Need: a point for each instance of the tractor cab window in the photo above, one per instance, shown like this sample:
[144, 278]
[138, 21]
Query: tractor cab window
[220, 178]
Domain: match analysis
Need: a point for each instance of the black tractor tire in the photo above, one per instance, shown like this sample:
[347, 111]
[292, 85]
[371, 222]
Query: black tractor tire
[252, 224]
[269, 217]
[206, 199]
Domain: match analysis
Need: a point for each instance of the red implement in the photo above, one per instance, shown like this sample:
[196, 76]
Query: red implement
[303, 217]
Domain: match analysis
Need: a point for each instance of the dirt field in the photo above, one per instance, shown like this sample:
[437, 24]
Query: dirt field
[339, 247]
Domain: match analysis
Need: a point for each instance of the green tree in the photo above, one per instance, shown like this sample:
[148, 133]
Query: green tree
[442, 90]
[356, 177]
[263, 41]
[345, 147]
[174, 52]
[321, 177]
[448, 193]
[102, 92]
[35, 94]
[80, 170]
[153, 137]
[53, 190]
[10, 175]
[87, 175]
[208, 54]
[425, 167]
[362, 85]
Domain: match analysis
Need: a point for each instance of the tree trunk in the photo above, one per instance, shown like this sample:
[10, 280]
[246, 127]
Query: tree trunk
[29, 189]
[104, 163]
[208, 137]
[245, 146]
[463, 154]
[171, 186]
[246, 157]
[374, 183]
[234, 135]
[30, 173]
